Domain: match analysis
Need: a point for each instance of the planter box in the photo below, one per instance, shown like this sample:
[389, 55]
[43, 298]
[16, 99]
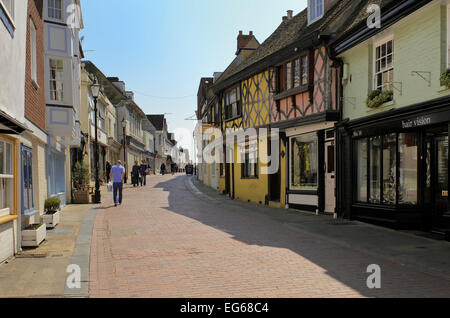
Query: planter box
[51, 220]
[81, 197]
[33, 238]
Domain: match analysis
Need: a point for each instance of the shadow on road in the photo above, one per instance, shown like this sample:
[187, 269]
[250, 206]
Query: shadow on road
[277, 228]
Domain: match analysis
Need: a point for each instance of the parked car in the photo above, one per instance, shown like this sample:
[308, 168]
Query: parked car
[189, 169]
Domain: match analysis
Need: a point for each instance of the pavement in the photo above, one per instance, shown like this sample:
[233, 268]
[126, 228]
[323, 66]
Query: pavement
[177, 238]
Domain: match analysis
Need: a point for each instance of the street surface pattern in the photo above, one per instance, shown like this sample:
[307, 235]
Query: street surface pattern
[168, 240]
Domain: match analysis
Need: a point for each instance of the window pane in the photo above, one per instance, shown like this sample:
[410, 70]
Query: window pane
[375, 160]
[390, 169]
[304, 161]
[2, 157]
[8, 158]
[408, 149]
[297, 73]
[289, 76]
[304, 70]
[361, 174]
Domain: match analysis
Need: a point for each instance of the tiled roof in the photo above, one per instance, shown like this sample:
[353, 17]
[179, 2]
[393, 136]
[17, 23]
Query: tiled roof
[292, 31]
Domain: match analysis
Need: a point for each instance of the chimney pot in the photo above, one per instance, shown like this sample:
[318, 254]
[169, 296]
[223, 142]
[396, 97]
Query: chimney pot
[240, 32]
[285, 18]
[251, 32]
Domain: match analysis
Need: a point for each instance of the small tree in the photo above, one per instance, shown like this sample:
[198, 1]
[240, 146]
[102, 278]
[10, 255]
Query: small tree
[80, 176]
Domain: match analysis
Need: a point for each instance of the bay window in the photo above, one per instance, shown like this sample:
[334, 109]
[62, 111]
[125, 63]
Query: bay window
[293, 74]
[304, 162]
[55, 9]
[6, 176]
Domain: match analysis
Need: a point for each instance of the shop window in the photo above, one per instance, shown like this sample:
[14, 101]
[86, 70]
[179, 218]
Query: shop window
[6, 175]
[390, 169]
[304, 162]
[249, 153]
[361, 173]
[375, 168]
[408, 152]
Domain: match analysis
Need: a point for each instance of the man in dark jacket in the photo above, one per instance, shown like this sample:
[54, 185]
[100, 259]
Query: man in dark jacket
[135, 174]
[143, 172]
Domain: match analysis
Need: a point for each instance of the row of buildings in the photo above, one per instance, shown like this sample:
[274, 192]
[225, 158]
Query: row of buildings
[47, 115]
[358, 94]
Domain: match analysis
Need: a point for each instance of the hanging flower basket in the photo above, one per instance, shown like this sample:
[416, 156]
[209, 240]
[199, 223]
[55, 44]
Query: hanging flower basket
[378, 98]
[445, 78]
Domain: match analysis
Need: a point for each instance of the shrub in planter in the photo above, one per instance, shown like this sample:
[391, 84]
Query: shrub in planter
[52, 205]
[80, 179]
[33, 235]
[378, 98]
[445, 78]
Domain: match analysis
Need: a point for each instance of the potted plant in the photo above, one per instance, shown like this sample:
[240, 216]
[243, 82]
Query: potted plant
[80, 178]
[33, 235]
[445, 78]
[378, 97]
[52, 214]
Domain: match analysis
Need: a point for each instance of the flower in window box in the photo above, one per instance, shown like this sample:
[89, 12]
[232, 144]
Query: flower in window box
[378, 97]
[445, 78]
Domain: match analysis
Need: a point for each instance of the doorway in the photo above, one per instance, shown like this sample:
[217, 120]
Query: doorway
[436, 178]
[330, 177]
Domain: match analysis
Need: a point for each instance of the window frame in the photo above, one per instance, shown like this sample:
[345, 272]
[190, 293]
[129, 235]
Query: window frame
[245, 158]
[282, 75]
[8, 17]
[229, 105]
[7, 178]
[378, 44]
[51, 80]
[33, 51]
[54, 8]
[291, 163]
[315, 4]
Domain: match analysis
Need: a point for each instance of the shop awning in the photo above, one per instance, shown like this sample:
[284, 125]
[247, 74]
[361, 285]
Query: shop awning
[9, 125]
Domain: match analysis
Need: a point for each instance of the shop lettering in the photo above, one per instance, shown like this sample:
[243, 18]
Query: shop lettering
[420, 121]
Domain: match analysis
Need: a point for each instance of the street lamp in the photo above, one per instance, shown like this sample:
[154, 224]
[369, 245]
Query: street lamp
[124, 126]
[95, 89]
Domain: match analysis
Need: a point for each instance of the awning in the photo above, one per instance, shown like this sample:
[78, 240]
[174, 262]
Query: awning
[9, 125]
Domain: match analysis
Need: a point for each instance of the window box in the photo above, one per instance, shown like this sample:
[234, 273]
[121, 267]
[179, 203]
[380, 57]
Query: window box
[51, 220]
[34, 235]
[378, 97]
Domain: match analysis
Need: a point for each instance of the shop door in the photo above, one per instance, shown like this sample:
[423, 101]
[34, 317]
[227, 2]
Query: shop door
[330, 177]
[436, 179]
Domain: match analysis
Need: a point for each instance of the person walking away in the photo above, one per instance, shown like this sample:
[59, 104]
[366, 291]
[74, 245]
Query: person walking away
[108, 172]
[143, 171]
[163, 169]
[135, 174]
[117, 175]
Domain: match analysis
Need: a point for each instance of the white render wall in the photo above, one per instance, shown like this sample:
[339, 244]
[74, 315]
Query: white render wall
[12, 64]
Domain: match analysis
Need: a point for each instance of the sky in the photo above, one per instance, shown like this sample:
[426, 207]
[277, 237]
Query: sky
[161, 48]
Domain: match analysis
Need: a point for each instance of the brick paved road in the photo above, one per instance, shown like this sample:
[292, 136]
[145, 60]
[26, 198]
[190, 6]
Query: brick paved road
[168, 241]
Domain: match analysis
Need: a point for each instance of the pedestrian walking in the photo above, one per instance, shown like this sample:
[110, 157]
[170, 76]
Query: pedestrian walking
[108, 172]
[135, 174]
[143, 172]
[117, 175]
[163, 169]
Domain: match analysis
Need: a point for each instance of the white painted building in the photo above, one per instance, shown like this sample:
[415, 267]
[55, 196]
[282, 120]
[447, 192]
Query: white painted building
[63, 21]
[13, 17]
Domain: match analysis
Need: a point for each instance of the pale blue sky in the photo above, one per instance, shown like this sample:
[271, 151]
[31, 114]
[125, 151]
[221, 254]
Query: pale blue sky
[161, 48]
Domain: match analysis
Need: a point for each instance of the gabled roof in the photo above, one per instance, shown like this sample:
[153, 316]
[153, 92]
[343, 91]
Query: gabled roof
[294, 31]
[157, 121]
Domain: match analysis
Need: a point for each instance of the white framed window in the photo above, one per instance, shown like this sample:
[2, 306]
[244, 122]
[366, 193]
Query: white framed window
[55, 10]
[384, 64]
[8, 6]
[56, 80]
[315, 10]
[6, 176]
[33, 51]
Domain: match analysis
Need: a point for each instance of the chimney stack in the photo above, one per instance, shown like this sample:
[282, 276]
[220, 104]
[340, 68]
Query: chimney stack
[290, 14]
[243, 40]
[285, 18]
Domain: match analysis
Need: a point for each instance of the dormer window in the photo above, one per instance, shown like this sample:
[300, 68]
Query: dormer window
[315, 10]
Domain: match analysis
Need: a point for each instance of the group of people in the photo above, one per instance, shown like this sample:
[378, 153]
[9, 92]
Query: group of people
[173, 168]
[139, 174]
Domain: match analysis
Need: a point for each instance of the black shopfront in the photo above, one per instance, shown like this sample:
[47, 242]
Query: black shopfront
[393, 168]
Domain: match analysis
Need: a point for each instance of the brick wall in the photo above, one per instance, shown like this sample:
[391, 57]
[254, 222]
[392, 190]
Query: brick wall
[35, 94]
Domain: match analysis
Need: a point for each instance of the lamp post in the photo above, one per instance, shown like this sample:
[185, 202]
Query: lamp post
[124, 126]
[95, 89]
